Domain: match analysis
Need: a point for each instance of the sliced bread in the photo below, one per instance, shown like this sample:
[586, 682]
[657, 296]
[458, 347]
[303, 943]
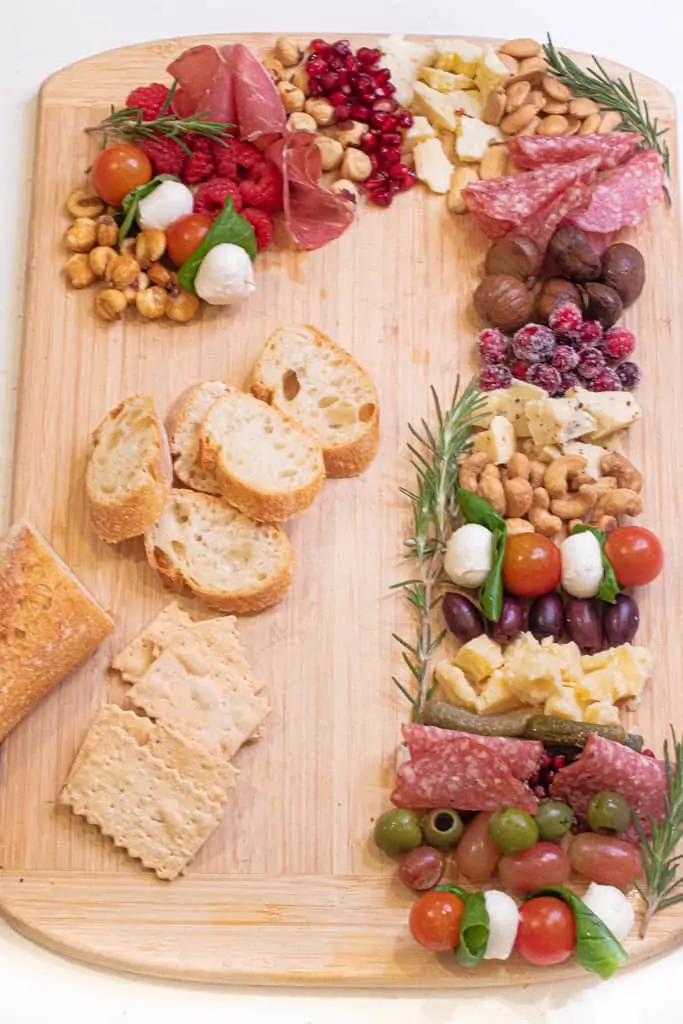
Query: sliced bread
[183, 425]
[305, 374]
[265, 463]
[129, 474]
[229, 561]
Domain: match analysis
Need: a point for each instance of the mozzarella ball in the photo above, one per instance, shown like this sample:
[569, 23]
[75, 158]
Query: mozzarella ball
[503, 923]
[167, 203]
[582, 569]
[469, 555]
[225, 275]
[612, 907]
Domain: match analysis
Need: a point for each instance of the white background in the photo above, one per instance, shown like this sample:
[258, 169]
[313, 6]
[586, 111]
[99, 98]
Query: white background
[40, 36]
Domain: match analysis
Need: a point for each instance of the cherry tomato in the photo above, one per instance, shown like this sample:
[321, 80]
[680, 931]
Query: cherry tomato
[435, 921]
[605, 860]
[117, 170]
[541, 865]
[477, 855]
[547, 931]
[532, 565]
[184, 235]
[635, 555]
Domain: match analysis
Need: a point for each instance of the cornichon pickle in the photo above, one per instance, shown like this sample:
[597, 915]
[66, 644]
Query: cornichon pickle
[548, 729]
[447, 716]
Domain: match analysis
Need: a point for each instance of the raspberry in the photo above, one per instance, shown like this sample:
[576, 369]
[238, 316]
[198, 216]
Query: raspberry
[590, 332]
[200, 165]
[210, 197]
[519, 369]
[566, 320]
[565, 358]
[591, 362]
[235, 156]
[618, 343]
[606, 380]
[493, 346]
[166, 155]
[629, 374]
[534, 343]
[569, 381]
[263, 188]
[263, 225]
[546, 377]
[492, 377]
[149, 99]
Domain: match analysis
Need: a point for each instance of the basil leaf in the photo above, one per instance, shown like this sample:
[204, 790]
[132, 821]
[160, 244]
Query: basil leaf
[131, 202]
[474, 931]
[609, 588]
[455, 889]
[477, 510]
[227, 227]
[597, 950]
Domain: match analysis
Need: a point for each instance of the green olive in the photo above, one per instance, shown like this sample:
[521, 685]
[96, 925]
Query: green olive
[608, 813]
[442, 828]
[553, 820]
[512, 830]
[398, 831]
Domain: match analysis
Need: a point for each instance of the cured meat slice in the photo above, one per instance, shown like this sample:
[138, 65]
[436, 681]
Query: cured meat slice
[541, 226]
[501, 204]
[624, 196]
[204, 84]
[314, 215]
[468, 772]
[258, 107]
[533, 151]
[604, 765]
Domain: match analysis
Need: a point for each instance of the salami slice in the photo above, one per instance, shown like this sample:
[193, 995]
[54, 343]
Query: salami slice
[501, 204]
[604, 765]
[541, 226]
[624, 196]
[471, 773]
[534, 151]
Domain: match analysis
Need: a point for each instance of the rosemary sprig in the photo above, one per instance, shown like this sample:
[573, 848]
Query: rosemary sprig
[612, 93]
[434, 458]
[658, 851]
[128, 123]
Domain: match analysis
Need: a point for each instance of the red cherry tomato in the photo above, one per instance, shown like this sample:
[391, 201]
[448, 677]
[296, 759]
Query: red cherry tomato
[184, 235]
[541, 865]
[117, 170]
[435, 921]
[532, 565]
[476, 855]
[547, 931]
[635, 555]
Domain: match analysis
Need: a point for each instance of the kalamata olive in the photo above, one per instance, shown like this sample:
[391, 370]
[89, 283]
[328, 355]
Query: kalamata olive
[542, 864]
[546, 616]
[511, 621]
[477, 855]
[621, 620]
[463, 618]
[605, 860]
[584, 624]
[421, 869]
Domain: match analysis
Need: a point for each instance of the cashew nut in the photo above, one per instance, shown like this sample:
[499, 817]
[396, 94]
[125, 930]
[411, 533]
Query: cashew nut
[560, 472]
[519, 495]
[580, 479]
[471, 470]
[514, 526]
[539, 516]
[619, 502]
[575, 505]
[606, 523]
[518, 466]
[627, 476]
[537, 471]
[491, 489]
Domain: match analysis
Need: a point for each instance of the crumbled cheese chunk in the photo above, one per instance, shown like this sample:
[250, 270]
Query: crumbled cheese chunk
[457, 55]
[435, 106]
[469, 103]
[479, 658]
[491, 72]
[498, 442]
[495, 696]
[611, 410]
[558, 420]
[444, 81]
[432, 166]
[474, 137]
[404, 59]
[592, 453]
[420, 131]
[565, 704]
[602, 713]
[455, 686]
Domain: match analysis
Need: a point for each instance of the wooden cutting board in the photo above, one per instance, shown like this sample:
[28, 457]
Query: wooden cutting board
[289, 889]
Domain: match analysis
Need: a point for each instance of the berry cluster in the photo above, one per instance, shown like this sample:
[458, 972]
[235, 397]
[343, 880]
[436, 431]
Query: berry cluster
[360, 90]
[571, 352]
[540, 782]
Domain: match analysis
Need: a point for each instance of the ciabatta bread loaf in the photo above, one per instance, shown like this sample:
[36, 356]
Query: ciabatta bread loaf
[183, 425]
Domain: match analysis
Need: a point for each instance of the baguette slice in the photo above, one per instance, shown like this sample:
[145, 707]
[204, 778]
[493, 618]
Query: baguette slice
[305, 374]
[226, 559]
[129, 474]
[265, 463]
[49, 623]
[183, 425]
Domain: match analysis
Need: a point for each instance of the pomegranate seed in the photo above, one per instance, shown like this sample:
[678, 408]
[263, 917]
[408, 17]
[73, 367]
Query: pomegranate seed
[385, 106]
[368, 56]
[539, 791]
[381, 197]
[315, 88]
[318, 45]
[546, 761]
[370, 142]
[374, 162]
[330, 81]
[396, 171]
[359, 112]
[342, 47]
[336, 63]
[376, 181]
[405, 119]
[337, 97]
[342, 112]
[408, 180]
[316, 66]
[385, 91]
[344, 78]
[382, 76]
[559, 761]
[385, 122]
[647, 752]
[389, 155]
[350, 63]
[364, 81]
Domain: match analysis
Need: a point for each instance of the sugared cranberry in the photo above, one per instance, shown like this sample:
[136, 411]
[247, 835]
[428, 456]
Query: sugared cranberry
[590, 332]
[492, 377]
[534, 343]
[569, 381]
[606, 380]
[368, 56]
[566, 319]
[630, 375]
[591, 362]
[565, 358]
[545, 376]
[316, 66]
[519, 369]
[618, 343]
[493, 346]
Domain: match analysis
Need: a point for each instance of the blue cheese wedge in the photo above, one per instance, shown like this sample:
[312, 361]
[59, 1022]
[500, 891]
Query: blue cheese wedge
[592, 453]
[435, 106]
[457, 55]
[558, 420]
[611, 410]
[444, 81]
[474, 137]
[432, 166]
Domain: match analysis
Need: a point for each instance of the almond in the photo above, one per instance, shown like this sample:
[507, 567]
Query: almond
[510, 63]
[493, 163]
[583, 108]
[574, 125]
[520, 48]
[555, 107]
[590, 125]
[556, 90]
[518, 119]
[494, 108]
[537, 97]
[532, 126]
[556, 124]
[516, 95]
[609, 122]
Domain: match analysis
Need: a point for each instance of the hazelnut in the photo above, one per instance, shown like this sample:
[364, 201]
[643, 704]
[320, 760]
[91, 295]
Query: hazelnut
[110, 304]
[574, 255]
[287, 51]
[301, 80]
[79, 271]
[602, 303]
[107, 230]
[320, 110]
[274, 68]
[138, 285]
[100, 257]
[518, 257]
[356, 165]
[555, 291]
[151, 302]
[346, 189]
[81, 204]
[349, 133]
[181, 306]
[301, 123]
[293, 98]
[150, 246]
[122, 271]
[158, 274]
[623, 268]
[127, 247]
[82, 235]
[331, 152]
[503, 301]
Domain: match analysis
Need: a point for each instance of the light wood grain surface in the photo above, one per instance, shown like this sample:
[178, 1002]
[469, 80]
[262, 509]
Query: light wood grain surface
[288, 889]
